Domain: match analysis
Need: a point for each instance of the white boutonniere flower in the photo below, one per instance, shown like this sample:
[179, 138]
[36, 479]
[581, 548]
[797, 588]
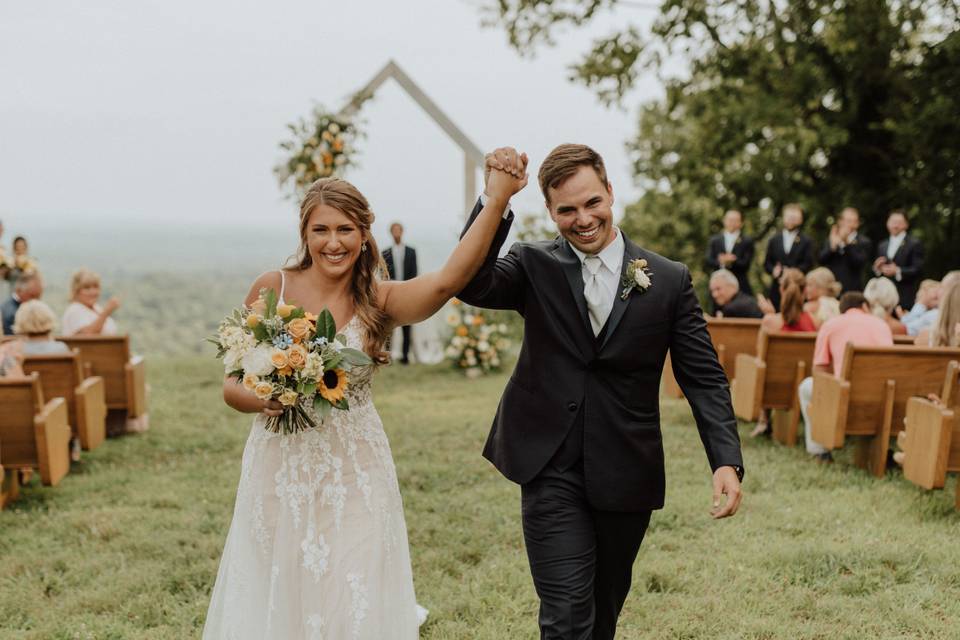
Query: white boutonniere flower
[637, 276]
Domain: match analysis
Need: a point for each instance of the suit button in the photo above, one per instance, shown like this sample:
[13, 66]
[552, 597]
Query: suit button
[572, 406]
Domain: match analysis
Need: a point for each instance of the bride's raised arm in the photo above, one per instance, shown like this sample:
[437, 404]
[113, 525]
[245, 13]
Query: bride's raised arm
[414, 300]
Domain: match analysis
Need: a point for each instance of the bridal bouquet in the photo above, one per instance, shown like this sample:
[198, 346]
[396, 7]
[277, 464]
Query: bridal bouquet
[476, 345]
[282, 352]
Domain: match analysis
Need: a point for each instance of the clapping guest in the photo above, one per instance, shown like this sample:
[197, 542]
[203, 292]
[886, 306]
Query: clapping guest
[821, 293]
[28, 286]
[792, 317]
[84, 316]
[847, 251]
[882, 297]
[728, 300]
[788, 248]
[732, 250]
[924, 312]
[900, 258]
[35, 322]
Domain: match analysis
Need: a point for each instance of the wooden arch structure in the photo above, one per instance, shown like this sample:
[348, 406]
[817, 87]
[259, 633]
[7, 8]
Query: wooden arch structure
[473, 157]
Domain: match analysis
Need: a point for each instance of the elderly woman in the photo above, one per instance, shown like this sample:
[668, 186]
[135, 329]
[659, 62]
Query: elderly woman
[84, 316]
[35, 322]
[821, 291]
[882, 296]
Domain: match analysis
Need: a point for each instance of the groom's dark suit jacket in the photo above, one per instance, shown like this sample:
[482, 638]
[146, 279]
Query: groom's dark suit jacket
[565, 375]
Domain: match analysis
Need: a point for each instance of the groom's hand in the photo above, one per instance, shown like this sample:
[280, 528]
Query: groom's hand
[725, 482]
[505, 173]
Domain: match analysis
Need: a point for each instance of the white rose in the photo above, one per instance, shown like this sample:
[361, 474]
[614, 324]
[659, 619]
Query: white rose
[643, 280]
[314, 366]
[468, 319]
[257, 361]
[483, 346]
[231, 360]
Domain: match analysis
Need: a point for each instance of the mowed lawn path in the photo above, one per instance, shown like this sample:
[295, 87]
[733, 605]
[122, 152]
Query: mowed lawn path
[128, 545]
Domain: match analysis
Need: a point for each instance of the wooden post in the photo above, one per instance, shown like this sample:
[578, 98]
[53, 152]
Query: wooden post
[469, 184]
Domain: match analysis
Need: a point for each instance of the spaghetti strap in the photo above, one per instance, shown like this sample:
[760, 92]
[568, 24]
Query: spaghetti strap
[283, 285]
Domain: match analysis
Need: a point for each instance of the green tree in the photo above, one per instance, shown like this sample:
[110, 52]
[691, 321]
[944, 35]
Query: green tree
[826, 103]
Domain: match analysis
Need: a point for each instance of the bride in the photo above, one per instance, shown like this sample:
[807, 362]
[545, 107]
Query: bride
[318, 544]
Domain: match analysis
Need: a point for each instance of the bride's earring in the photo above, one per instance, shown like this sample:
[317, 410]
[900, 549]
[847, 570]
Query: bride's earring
[363, 247]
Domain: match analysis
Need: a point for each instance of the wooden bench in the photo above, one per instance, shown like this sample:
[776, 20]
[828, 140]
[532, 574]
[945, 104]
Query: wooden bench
[9, 483]
[35, 435]
[870, 397]
[731, 337]
[932, 436]
[671, 388]
[124, 377]
[61, 375]
[769, 380]
[905, 340]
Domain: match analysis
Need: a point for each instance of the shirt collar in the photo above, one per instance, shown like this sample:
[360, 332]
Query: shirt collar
[792, 234]
[611, 256]
[731, 234]
[899, 237]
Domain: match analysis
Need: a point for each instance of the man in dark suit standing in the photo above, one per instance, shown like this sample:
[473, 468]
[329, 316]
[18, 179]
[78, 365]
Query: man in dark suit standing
[401, 265]
[900, 258]
[846, 251]
[732, 250]
[787, 248]
[578, 424]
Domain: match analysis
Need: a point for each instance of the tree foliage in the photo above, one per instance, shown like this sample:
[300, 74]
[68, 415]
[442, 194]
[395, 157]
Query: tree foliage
[827, 103]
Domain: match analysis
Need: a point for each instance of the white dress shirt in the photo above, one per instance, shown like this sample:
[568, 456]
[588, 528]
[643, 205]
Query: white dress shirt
[729, 240]
[399, 252]
[788, 239]
[894, 244]
[608, 277]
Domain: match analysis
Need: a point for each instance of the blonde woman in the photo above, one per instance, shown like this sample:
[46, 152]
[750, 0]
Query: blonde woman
[318, 544]
[84, 315]
[35, 322]
[945, 331]
[821, 292]
[882, 296]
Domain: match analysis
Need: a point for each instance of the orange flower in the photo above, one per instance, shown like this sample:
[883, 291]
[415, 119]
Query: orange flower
[332, 385]
[327, 158]
[477, 321]
[462, 331]
[455, 302]
[299, 329]
[285, 371]
[338, 145]
[297, 356]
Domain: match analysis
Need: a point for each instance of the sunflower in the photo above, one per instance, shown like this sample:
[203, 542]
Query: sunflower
[332, 385]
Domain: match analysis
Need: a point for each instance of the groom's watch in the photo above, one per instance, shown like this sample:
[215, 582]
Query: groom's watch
[739, 471]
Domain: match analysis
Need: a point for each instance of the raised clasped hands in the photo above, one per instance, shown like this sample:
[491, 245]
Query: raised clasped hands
[504, 173]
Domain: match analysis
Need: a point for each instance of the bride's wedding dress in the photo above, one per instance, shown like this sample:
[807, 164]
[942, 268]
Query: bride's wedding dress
[318, 544]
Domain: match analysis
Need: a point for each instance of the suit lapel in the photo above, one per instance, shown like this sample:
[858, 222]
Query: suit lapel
[630, 252]
[573, 271]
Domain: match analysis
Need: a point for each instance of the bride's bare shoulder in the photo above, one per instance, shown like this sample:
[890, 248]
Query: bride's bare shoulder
[266, 280]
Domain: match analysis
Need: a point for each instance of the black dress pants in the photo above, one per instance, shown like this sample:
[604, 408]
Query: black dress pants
[581, 559]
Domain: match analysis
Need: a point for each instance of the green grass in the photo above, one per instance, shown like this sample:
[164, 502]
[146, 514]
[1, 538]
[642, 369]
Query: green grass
[128, 545]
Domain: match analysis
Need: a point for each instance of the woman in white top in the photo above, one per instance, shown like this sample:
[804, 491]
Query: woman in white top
[83, 315]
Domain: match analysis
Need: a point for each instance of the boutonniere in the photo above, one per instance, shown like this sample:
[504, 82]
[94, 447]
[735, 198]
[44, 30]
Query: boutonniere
[637, 276]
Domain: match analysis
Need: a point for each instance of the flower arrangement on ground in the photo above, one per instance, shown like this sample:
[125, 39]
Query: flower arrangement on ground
[476, 346]
[281, 352]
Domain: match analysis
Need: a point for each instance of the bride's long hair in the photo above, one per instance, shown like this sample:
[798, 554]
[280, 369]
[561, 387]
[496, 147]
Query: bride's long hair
[369, 268]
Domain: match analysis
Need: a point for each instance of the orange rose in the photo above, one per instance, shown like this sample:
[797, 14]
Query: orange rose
[278, 358]
[253, 320]
[477, 321]
[297, 357]
[462, 331]
[285, 310]
[286, 371]
[299, 329]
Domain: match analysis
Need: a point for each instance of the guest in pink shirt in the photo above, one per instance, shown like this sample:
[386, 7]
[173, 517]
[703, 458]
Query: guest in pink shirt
[856, 325]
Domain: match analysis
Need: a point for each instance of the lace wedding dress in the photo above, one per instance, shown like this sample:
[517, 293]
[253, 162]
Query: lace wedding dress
[318, 544]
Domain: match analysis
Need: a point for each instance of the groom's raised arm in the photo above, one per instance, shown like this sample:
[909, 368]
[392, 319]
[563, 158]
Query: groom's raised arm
[699, 374]
[500, 282]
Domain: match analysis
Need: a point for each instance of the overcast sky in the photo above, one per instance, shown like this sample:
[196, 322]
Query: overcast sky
[169, 112]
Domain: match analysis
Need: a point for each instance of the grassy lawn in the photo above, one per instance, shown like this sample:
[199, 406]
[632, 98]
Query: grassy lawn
[128, 545]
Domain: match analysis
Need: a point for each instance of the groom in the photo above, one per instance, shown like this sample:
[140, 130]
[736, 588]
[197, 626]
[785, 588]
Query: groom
[578, 425]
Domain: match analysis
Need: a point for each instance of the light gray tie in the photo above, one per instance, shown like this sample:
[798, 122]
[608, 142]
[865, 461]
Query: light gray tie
[595, 294]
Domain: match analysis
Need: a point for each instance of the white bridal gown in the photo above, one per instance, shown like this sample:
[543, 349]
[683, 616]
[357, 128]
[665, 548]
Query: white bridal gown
[318, 544]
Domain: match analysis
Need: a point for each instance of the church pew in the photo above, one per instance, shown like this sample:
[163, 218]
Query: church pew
[769, 380]
[671, 388]
[9, 483]
[124, 376]
[731, 337]
[932, 436]
[61, 375]
[870, 397]
[904, 340]
[35, 434]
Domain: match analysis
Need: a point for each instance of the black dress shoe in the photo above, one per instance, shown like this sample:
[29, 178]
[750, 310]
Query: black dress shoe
[824, 458]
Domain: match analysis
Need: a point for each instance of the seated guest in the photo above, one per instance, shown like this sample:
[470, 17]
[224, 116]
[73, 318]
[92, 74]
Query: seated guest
[924, 310]
[792, 317]
[11, 359]
[732, 250]
[28, 286]
[855, 324]
[925, 336]
[882, 296]
[35, 322]
[821, 293]
[83, 316]
[946, 333]
[728, 300]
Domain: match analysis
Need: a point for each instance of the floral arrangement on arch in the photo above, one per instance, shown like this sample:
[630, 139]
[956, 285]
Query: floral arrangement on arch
[476, 346]
[321, 145]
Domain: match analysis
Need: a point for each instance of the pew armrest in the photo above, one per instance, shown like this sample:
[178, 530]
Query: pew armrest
[928, 434]
[828, 410]
[52, 430]
[136, 381]
[748, 386]
[91, 412]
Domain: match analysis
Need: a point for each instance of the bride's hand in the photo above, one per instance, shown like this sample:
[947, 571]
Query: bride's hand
[272, 408]
[503, 185]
